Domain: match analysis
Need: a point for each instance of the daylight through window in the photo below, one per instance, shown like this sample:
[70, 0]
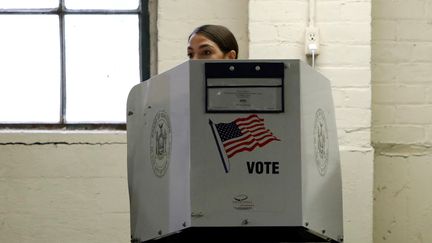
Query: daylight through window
[69, 61]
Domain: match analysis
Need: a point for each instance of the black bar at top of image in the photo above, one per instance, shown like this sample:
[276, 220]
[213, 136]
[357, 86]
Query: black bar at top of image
[244, 70]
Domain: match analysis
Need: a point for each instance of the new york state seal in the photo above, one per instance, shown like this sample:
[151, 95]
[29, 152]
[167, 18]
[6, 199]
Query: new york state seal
[321, 142]
[160, 143]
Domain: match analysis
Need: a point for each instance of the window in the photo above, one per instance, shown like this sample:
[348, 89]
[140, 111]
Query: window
[68, 63]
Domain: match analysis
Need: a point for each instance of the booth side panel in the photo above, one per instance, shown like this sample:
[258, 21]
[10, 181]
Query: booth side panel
[158, 157]
[322, 186]
[140, 174]
[134, 142]
[179, 171]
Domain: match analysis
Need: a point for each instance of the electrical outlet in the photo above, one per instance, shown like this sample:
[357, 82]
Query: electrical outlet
[312, 41]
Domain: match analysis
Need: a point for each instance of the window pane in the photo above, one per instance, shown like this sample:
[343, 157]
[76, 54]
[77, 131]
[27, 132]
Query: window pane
[29, 3]
[30, 69]
[101, 4]
[102, 65]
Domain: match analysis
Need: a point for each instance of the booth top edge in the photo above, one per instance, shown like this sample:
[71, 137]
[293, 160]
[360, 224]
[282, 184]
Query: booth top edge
[202, 61]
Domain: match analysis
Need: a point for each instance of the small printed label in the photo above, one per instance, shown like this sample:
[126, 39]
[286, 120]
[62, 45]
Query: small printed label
[242, 202]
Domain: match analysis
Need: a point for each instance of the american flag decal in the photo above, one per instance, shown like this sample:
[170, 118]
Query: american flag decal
[242, 134]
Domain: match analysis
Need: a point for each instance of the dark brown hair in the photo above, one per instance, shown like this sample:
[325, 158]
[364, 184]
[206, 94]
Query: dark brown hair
[220, 35]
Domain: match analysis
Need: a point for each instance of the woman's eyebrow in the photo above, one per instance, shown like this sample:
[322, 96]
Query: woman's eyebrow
[204, 46]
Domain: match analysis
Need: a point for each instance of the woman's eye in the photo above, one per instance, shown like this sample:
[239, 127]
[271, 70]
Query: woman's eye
[190, 55]
[207, 53]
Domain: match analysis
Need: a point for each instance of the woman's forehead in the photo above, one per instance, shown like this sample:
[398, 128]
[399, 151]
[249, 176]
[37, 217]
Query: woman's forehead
[200, 41]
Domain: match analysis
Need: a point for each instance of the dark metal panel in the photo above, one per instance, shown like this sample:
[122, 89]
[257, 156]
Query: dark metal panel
[243, 235]
[144, 41]
[62, 63]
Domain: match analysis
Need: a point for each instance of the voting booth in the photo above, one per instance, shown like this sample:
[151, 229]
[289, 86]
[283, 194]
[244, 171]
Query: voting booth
[235, 151]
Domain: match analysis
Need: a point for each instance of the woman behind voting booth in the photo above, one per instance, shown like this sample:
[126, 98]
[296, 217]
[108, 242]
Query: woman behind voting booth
[212, 42]
[186, 126]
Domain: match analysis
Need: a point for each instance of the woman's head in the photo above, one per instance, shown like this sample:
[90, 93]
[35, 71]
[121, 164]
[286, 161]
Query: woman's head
[212, 42]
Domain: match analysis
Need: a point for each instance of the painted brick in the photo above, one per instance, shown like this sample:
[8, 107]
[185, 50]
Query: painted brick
[338, 97]
[89, 137]
[414, 114]
[429, 95]
[263, 32]
[291, 32]
[428, 129]
[393, 174]
[352, 98]
[353, 118]
[347, 76]
[276, 50]
[415, 30]
[357, 177]
[356, 137]
[384, 30]
[83, 202]
[278, 11]
[390, 176]
[398, 134]
[352, 33]
[428, 9]
[328, 11]
[399, 94]
[344, 54]
[78, 195]
[181, 32]
[356, 11]
[384, 72]
[398, 9]
[334, 61]
[173, 49]
[358, 98]
[414, 73]
[392, 52]
[67, 226]
[409, 73]
[402, 81]
[180, 10]
[422, 52]
[402, 209]
[383, 114]
[82, 161]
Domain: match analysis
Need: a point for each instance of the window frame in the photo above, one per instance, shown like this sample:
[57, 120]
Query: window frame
[144, 59]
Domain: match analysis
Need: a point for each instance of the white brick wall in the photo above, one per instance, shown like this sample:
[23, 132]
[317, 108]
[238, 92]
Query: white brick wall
[402, 202]
[75, 191]
[402, 118]
[402, 72]
[277, 31]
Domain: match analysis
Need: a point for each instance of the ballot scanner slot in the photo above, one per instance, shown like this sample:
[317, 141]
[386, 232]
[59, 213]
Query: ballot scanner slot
[244, 87]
